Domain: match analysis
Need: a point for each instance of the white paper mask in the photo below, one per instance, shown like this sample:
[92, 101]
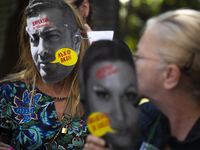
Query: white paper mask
[54, 45]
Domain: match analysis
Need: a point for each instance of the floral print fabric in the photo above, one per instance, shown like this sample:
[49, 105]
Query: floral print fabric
[29, 119]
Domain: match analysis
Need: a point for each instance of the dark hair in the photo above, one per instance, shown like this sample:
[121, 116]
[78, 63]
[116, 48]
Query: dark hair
[102, 51]
[79, 2]
[35, 7]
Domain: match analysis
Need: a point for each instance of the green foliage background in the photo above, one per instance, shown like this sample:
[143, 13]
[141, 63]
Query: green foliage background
[134, 13]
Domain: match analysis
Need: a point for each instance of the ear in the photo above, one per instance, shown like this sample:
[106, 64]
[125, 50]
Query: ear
[84, 9]
[172, 76]
[77, 41]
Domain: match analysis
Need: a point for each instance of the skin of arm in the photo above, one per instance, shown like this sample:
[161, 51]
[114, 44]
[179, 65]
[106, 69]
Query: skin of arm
[94, 142]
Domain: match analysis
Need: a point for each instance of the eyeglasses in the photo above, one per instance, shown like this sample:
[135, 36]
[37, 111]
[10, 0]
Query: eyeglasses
[138, 57]
[183, 69]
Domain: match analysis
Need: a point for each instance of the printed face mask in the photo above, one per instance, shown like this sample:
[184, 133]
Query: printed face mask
[53, 47]
[112, 90]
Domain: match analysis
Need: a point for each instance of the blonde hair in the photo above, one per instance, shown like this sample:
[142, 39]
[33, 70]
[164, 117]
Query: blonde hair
[178, 40]
[29, 73]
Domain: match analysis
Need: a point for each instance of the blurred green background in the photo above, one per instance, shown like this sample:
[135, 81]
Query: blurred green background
[126, 17]
[134, 13]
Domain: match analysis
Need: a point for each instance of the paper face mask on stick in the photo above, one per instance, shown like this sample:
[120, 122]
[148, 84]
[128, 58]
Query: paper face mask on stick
[109, 91]
[53, 32]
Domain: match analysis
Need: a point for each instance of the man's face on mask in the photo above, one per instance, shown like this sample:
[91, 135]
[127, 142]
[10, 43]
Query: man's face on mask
[50, 34]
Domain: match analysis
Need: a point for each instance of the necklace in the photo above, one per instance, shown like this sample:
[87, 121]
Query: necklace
[60, 98]
[57, 98]
[63, 128]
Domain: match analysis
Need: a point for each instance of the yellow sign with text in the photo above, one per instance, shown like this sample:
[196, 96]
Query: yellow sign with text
[99, 124]
[66, 56]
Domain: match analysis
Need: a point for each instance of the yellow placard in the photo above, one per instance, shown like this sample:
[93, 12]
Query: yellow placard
[66, 56]
[99, 124]
[144, 100]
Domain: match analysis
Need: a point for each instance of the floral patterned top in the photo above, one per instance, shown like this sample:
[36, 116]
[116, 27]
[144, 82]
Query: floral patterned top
[32, 123]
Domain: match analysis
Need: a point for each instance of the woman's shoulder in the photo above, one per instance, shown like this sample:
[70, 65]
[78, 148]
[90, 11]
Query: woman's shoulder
[149, 115]
[150, 111]
[12, 83]
[11, 87]
[12, 90]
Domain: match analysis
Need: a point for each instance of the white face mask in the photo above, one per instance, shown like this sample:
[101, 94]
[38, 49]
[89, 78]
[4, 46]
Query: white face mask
[54, 47]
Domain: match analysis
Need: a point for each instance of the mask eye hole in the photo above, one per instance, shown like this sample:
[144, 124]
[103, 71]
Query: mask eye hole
[35, 40]
[103, 94]
[130, 96]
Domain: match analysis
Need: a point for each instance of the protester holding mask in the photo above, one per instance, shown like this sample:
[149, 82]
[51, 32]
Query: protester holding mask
[108, 85]
[39, 106]
[168, 73]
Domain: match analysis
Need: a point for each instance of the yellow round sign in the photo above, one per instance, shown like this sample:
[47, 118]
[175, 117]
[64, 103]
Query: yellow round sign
[99, 124]
[66, 56]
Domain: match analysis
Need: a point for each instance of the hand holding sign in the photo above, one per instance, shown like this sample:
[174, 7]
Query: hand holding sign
[108, 88]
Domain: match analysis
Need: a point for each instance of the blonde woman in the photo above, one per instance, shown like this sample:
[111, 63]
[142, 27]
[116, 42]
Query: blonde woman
[39, 106]
[168, 70]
